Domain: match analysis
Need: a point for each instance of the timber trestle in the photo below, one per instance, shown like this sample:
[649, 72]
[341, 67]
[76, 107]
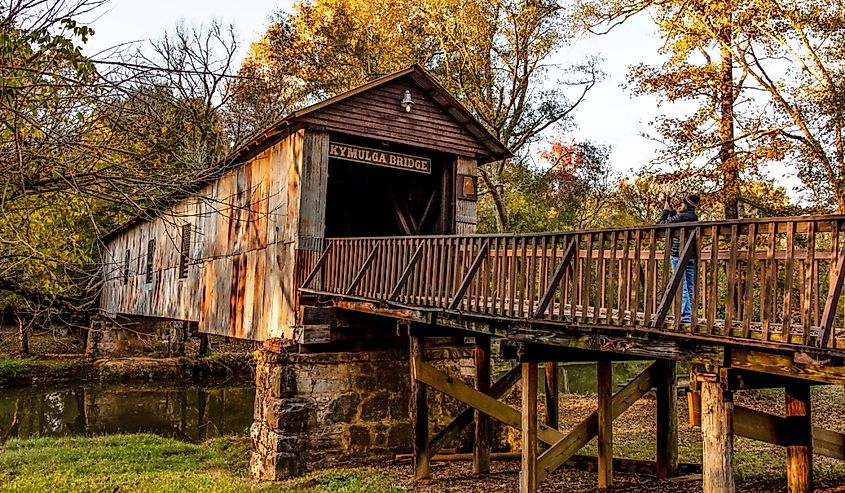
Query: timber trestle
[766, 313]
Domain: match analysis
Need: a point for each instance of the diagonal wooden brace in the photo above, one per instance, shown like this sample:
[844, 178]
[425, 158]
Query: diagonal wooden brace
[453, 387]
[406, 273]
[556, 277]
[579, 436]
[453, 429]
[366, 265]
[674, 282]
[473, 268]
[832, 302]
[317, 266]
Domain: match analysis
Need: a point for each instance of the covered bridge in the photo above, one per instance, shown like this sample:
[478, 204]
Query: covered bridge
[395, 157]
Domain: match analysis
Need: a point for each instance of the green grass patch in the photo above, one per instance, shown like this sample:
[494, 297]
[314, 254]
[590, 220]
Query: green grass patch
[148, 463]
[15, 370]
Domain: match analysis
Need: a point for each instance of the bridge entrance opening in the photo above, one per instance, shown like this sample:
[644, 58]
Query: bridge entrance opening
[388, 191]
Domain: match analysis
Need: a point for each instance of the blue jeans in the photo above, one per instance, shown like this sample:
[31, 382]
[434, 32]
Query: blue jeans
[687, 289]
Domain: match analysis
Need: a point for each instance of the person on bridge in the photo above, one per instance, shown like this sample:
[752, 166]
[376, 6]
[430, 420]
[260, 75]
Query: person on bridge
[687, 215]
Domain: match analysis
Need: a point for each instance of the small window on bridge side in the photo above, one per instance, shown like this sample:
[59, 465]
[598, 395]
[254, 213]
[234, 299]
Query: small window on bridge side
[126, 267]
[151, 248]
[185, 251]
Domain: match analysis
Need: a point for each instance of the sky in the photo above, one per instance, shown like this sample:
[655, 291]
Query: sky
[610, 115]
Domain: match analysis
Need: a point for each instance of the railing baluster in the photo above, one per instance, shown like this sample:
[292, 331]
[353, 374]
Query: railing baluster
[586, 282]
[732, 301]
[674, 283]
[748, 298]
[714, 278]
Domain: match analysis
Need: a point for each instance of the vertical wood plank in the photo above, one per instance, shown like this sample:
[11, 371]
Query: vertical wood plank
[717, 438]
[799, 454]
[667, 419]
[714, 278]
[789, 268]
[586, 282]
[748, 297]
[809, 263]
[528, 473]
[604, 372]
[419, 412]
[483, 428]
[731, 301]
[552, 394]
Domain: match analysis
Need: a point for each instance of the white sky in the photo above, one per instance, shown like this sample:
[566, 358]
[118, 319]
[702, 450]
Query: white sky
[610, 115]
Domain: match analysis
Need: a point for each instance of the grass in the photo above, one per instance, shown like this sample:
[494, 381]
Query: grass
[17, 370]
[147, 463]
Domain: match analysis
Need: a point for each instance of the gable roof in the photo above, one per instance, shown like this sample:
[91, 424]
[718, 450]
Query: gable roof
[490, 149]
[495, 150]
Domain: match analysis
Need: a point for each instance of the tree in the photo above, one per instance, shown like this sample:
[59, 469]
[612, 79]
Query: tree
[788, 55]
[493, 55]
[570, 189]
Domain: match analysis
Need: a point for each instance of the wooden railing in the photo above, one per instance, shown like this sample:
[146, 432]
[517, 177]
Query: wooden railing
[775, 280]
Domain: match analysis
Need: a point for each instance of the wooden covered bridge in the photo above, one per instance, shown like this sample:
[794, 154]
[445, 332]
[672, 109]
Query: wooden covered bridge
[767, 313]
[364, 205]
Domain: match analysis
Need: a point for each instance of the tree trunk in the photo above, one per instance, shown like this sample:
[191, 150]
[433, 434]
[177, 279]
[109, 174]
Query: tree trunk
[23, 335]
[727, 150]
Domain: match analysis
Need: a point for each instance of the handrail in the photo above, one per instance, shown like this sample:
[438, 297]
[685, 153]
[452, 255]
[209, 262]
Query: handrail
[770, 279]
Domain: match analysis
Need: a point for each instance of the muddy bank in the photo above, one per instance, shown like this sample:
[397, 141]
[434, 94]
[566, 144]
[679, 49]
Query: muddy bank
[28, 371]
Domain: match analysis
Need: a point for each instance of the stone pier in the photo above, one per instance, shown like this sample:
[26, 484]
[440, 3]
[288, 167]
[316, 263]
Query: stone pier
[137, 336]
[322, 408]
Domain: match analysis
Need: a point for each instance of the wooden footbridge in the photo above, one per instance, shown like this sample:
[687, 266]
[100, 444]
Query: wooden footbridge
[766, 313]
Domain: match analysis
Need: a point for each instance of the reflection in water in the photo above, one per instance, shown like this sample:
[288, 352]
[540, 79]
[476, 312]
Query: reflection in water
[187, 413]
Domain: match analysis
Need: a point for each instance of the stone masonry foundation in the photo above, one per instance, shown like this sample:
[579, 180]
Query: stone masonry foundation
[312, 410]
[137, 336]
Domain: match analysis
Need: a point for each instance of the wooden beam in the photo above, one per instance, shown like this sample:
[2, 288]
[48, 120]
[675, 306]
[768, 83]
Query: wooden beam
[799, 453]
[624, 343]
[674, 282]
[467, 280]
[798, 365]
[667, 418]
[483, 429]
[462, 392]
[317, 266]
[604, 372]
[453, 430]
[832, 302]
[769, 428]
[528, 473]
[717, 438]
[366, 265]
[419, 412]
[566, 447]
[552, 394]
[739, 379]
[556, 277]
[400, 283]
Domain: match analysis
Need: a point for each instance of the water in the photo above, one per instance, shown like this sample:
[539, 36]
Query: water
[187, 413]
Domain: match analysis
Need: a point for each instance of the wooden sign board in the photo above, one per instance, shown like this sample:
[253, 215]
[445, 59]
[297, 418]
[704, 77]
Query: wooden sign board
[379, 158]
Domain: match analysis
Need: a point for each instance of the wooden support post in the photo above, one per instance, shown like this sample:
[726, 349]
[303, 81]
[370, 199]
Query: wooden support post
[667, 419]
[551, 394]
[799, 452]
[528, 474]
[717, 438]
[605, 422]
[483, 429]
[419, 411]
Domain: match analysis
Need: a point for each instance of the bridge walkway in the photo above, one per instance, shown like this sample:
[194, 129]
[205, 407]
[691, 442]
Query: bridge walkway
[767, 312]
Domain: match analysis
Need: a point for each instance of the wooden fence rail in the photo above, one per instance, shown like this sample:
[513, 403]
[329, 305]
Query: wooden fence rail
[775, 279]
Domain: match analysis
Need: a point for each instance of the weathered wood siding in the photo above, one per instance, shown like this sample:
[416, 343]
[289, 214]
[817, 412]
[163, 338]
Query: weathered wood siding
[378, 114]
[245, 227]
[466, 216]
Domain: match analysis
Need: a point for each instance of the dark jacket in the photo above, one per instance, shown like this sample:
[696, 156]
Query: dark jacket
[672, 217]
